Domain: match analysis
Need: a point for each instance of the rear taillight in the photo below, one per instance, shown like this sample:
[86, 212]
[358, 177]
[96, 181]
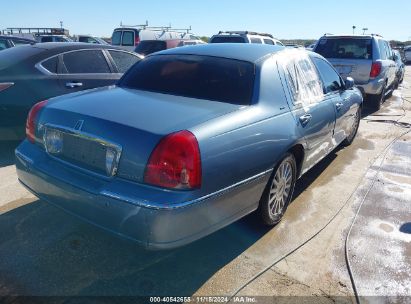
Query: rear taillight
[5, 85]
[31, 120]
[136, 40]
[175, 162]
[375, 69]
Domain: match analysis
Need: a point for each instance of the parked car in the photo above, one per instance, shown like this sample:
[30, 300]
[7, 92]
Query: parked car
[128, 38]
[147, 47]
[293, 45]
[190, 140]
[399, 75]
[53, 38]
[244, 37]
[29, 74]
[91, 39]
[11, 41]
[310, 47]
[366, 58]
[407, 54]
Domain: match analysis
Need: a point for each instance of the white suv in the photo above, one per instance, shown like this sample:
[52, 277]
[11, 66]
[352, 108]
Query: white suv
[244, 37]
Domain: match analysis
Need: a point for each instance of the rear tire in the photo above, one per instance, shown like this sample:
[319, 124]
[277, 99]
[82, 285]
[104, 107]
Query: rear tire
[377, 100]
[279, 191]
[350, 138]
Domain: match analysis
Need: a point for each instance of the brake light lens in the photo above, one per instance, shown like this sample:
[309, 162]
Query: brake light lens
[136, 40]
[375, 69]
[175, 162]
[5, 85]
[31, 120]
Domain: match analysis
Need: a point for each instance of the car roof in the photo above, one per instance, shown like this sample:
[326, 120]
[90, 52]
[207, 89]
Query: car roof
[239, 51]
[352, 36]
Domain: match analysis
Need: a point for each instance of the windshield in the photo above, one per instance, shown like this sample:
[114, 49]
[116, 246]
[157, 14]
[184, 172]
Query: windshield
[202, 77]
[345, 48]
[227, 39]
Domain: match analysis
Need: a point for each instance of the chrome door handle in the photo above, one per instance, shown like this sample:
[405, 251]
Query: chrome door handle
[73, 85]
[305, 119]
[338, 106]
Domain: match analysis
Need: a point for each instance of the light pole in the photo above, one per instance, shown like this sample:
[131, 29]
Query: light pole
[353, 29]
[61, 24]
[364, 30]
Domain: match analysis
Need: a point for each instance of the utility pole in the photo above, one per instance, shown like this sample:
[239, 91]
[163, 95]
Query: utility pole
[353, 29]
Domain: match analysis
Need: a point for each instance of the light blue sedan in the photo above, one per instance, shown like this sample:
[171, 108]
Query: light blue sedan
[190, 140]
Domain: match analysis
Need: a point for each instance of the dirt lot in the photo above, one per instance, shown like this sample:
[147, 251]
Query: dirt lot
[362, 191]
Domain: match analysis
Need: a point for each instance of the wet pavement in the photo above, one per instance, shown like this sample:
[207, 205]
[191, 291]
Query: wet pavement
[44, 251]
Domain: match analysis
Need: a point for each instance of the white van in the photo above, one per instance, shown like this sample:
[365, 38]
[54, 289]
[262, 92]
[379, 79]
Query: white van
[128, 37]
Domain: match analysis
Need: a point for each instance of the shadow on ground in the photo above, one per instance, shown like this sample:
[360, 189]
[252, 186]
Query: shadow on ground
[43, 251]
[7, 152]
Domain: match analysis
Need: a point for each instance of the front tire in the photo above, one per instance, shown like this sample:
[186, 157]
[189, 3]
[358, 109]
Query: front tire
[350, 138]
[279, 191]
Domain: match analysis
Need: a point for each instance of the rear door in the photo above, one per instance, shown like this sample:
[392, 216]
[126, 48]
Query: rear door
[351, 56]
[313, 111]
[85, 69]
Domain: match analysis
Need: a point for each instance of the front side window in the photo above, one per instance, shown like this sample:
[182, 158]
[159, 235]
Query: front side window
[116, 38]
[86, 62]
[200, 77]
[47, 39]
[128, 38]
[331, 80]
[123, 60]
[345, 48]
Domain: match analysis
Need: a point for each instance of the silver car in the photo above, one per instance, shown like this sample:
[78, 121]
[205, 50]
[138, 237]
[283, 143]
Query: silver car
[407, 54]
[368, 59]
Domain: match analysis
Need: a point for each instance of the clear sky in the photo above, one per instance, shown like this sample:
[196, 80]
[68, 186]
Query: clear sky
[287, 19]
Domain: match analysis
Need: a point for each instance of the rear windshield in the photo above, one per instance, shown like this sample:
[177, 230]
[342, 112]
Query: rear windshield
[202, 77]
[116, 38]
[12, 56]
[345, 48]
[146, 47]
[228, 39]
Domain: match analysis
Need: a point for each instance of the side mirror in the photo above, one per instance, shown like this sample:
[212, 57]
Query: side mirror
[349, 83]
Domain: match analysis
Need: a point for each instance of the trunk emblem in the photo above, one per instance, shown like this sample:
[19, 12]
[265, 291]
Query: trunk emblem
[79, 125]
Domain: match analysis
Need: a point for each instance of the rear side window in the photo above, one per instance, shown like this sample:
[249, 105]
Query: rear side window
[116, 38]
[268, 41]
[330, 78]
[147, 47]
[202, 77]
[128, 38]
[51, 64]
[345, 48]
[86, 62]
[228, 39]
[255, 40]
[123, 60]
[302, 77]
